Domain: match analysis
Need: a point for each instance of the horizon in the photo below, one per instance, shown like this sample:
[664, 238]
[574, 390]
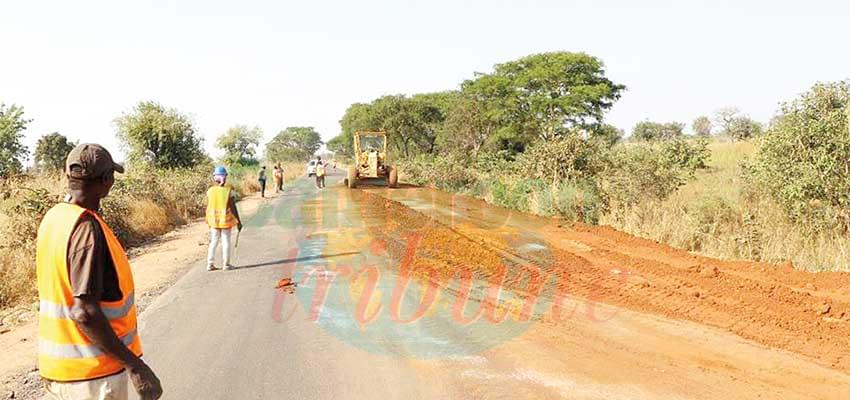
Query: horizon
[77, 68]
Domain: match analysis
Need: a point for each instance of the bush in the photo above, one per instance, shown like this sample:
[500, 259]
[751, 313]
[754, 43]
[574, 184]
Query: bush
[569, 157]
[641, 172]
[445, 173]
[650, 131]
[514, 193]
[802, 161]
[689, 156]
[579, 201]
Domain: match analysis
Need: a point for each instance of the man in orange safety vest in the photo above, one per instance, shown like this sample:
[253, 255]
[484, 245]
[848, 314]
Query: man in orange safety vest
[88, 340]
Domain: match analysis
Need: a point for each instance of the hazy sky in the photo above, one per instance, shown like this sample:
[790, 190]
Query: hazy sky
[76, 65]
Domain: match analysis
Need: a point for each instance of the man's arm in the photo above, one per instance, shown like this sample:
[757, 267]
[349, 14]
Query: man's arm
[88, 316]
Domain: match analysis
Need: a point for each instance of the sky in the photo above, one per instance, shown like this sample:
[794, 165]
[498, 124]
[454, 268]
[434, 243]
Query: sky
[76, 66]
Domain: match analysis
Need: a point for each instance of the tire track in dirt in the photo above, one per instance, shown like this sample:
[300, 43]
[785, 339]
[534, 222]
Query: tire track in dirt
[797, 311]
[761, 302]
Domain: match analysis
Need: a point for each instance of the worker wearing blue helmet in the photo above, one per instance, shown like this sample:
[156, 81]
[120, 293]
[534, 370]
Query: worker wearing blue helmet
[222, 216]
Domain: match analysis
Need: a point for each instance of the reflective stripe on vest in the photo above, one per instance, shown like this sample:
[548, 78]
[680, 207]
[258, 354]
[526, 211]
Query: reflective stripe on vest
[59, 350]
[55, 310]
[65, 353]
[218, 214]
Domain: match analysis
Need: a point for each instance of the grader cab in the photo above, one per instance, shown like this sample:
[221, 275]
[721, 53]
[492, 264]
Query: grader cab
[370, 160]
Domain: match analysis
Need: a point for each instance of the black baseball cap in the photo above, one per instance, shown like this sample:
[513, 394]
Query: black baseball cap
[90, 161]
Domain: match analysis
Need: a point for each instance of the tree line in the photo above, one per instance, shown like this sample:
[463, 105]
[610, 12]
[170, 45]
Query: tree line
[540, 97]
[727, 122]
[154, 135]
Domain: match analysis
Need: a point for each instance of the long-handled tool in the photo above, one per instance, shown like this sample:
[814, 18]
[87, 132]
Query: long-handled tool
[235, 245]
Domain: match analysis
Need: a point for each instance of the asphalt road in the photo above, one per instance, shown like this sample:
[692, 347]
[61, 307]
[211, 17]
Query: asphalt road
[233, 335]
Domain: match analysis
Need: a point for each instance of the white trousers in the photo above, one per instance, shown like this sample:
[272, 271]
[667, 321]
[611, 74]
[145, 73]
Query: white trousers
[109, 388]
[216, 235]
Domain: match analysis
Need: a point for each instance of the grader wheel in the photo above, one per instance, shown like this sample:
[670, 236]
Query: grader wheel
[392, 178]
[351, 177]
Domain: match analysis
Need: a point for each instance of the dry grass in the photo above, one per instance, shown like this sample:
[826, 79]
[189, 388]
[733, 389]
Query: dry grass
[142, 205]
[149, 219]
[246, 181]
[715, 215]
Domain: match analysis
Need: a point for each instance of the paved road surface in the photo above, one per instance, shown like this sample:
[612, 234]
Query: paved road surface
[233, 335]
[219, 335]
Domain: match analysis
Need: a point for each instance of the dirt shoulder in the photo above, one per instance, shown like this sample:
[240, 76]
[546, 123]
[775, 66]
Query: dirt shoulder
[156, 266]
[775, 306]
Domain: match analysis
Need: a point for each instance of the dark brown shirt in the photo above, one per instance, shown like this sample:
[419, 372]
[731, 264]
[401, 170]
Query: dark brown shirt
[90, 267]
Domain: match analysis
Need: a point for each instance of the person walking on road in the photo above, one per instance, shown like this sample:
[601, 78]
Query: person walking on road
[222, 216]
[278, 178]
[262, 179]
[89, 346]
[320, 173]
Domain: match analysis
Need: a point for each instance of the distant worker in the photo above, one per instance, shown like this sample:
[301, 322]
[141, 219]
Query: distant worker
[320, 173]
[88, 340]
[278, 178]
[222, 216]
[262, 179]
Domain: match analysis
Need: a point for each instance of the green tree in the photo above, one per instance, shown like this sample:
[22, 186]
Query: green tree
[743, 128]
[358, 116]
[341, 146]
[649, 131]
[736, 125]
[608, 134]
[159, 136]
[293, 144]
[412, 123]
[468, 127]
[239, 144]
[546, 95]
[702, 126]
[51, 151]
[12, 150]
[802, 160]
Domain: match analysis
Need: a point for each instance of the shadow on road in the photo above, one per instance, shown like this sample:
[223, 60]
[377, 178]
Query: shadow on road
[298, 259]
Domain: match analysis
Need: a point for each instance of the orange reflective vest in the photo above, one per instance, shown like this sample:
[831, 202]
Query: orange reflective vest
[64, 352]
[218, 214]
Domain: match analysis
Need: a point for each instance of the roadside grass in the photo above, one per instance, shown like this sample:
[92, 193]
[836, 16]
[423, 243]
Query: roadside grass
[248, 182]
[717, 215]
[143, 204]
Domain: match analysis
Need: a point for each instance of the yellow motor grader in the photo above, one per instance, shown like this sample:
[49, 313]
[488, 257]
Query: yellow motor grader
[370, 160]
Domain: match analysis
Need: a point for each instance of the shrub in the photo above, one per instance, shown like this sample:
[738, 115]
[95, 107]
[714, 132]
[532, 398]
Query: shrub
[499, 162]
[569, 157]
[640, 172]
[802, 161]
[579, 201]
[514, 193]
[445, 173]
[689, 156]
[650, 131]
